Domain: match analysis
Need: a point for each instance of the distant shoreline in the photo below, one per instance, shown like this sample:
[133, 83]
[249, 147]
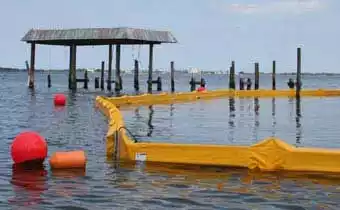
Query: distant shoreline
[179, 71]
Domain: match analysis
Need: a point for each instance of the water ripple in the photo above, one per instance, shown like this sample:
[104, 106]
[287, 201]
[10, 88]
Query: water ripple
[109, 185]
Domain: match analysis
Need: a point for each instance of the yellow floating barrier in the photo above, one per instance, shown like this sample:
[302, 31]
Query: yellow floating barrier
[271, 154]
[168, 98]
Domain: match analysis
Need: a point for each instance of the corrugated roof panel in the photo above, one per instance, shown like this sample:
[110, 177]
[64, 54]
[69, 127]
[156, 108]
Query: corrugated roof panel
[36, 35]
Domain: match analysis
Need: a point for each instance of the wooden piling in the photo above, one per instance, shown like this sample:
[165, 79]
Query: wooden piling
[257, 76]
[232, 84]
[109, 73]
[298, 73]
[274, 76]
[230, 72]
[86, 80]
[192, 83]
[118, 86]
[32, 67]
[73, 70]
[172, 76]
[120, 82]
[159, 83]
[150, 68]
[49, 83]
[202, 81]
[102, 75]
[69, 69]
[96, 83]
[136, 76]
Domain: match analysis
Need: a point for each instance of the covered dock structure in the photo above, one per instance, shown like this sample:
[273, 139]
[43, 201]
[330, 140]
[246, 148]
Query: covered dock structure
[92, 37]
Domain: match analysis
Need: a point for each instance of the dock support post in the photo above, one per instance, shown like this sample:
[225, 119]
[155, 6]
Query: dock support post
[172, 76]
[159, 83]
[192, 83]
[257, 76]
[49, 83]
[86, 80]
[274, 76]
[136, 76]
[72, 77]
[118, 86]
[232, 84]
[298, 73]
[32, 67]
[150, 68]
[109, 74]
[102, 75]
[96, 82]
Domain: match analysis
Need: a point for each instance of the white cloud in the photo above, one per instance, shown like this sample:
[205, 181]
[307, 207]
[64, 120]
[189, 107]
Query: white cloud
[281, 6]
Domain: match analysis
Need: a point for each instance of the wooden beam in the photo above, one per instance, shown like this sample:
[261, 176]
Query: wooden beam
[32, 67]
[150, 68]
[117, 79]
[298, 73]
[73, 72]
[109, 75]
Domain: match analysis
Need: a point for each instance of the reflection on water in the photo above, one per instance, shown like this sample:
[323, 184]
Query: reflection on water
[150, 121]
[29, 183]
[79, 126]
[183, 186]
[273, 117]
[244, 120]
[256, 120]
[231, 121]
[68, 183]
[298, 122]
[68, 173]
[241, 111]
[257, 111]
[172, 108]
[231, 112]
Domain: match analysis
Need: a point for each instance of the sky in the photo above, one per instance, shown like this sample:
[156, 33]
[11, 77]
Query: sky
[211, 33]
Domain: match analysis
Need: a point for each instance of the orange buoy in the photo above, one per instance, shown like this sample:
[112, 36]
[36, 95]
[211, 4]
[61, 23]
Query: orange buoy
[70, 159]
[29, 147]
[59, 99]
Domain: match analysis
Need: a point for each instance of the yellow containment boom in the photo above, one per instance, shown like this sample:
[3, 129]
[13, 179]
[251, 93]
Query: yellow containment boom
[168, 98]
[271, 154]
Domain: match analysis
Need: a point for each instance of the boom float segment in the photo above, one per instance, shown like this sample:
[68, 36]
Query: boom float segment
[168, 98]
[271, 154]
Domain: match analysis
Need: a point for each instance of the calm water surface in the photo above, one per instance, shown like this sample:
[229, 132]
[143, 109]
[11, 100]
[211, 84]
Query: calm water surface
[109, 185]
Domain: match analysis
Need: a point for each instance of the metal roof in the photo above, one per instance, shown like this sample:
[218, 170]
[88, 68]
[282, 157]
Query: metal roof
[98, 36]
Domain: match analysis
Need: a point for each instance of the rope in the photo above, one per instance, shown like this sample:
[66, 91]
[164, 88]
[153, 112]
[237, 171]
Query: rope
[130, 133]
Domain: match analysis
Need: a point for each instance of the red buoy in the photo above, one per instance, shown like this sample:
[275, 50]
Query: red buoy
[59, 99]
[28, 147]
[201, 89]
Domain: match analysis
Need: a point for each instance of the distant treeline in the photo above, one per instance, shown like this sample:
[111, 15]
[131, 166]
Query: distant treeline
[180, 71]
